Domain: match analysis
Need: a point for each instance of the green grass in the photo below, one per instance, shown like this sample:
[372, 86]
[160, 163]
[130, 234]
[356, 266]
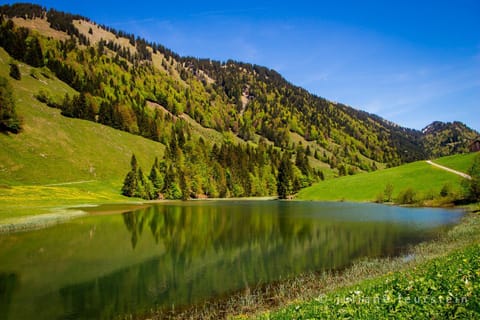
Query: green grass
[461, 162]
[425, 180]
[53, 149]
[444, 288]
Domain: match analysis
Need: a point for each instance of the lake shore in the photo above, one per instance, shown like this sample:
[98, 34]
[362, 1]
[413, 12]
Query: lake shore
[50, 215]
[264, 300]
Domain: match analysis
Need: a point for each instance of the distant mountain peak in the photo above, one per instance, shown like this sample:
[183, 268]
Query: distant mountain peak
[445, 138]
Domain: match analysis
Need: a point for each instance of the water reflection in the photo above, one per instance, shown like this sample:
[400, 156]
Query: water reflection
[8, 284]
[182, 253]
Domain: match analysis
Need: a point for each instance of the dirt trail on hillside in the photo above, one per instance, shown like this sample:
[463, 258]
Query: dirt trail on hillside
[461, 174]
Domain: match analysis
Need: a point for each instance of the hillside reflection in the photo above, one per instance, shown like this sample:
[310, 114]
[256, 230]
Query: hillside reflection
[206, 251]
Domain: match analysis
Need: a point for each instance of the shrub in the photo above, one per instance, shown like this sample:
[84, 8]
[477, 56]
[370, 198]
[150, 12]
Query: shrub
[446, 190]
[472, 186]
[15, 71]
[407, 196]
[388, 192]
[380, 198]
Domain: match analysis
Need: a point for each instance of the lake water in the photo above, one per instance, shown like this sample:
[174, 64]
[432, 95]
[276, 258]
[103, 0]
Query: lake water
[177, 254]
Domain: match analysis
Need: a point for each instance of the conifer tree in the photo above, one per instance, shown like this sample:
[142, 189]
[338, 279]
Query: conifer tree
[15, 71]
[130, 184]
[285, 177]
[156, 178]
[9, 120]
[472, 185]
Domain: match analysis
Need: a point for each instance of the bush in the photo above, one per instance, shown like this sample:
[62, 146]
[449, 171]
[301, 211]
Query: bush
[407, 196]
[380, 198]
[388, 192]
[446, 190]
[472, 186]
[15, 71]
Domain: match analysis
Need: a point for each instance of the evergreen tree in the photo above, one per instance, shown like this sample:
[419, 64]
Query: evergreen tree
[156, 178]
[472, 185]
[15, 71]
[9, 120]
[130, 184]
[285, 177]
[33, 54]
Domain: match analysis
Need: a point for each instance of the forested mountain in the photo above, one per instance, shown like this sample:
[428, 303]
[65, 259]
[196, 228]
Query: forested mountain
[442, 139]
[228, 126]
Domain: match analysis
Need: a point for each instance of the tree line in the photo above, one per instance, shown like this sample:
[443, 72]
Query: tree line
[192, 168]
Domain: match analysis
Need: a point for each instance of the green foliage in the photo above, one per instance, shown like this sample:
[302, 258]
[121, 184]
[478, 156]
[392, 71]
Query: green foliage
[285, 187]
[420, 176]
[168, 98]
[15, 71]
[445, 288]
[446, 190]
[407, 196]
[9, 120]
[472, 186]
[137, 184]
[78, 107]
[443, 139]
[192, 168]
[388, 192]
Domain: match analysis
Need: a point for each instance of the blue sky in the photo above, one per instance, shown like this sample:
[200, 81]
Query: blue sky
[411, 62]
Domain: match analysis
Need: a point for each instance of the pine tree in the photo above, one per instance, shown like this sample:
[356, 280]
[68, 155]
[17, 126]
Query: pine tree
[156, 178]
[285, 177]
[9, 120]
[130, 184]
[472, 186]
[15, 71]
[33, 54]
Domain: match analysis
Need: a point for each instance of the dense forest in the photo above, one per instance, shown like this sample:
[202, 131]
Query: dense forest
[143, 88]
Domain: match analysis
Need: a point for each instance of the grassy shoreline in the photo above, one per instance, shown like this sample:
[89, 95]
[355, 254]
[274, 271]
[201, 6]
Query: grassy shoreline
[283, 299]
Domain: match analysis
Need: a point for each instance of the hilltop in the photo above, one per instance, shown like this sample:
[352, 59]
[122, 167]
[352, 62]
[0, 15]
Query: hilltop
[446, 138]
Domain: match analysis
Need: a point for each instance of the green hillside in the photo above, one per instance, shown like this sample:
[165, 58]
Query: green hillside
[424, 179]
[229, 127]
[459, 162]
[121, 74]
[50, 158]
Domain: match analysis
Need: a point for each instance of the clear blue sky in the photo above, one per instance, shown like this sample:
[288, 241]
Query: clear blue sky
[411, 62]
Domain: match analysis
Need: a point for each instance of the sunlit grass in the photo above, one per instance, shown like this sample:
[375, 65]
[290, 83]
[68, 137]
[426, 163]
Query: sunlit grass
[461, 162]
[424, 179]
[58, 161]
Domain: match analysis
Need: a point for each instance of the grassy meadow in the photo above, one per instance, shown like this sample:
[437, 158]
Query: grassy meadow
[426, 181]
[459, 162]
[50, 164]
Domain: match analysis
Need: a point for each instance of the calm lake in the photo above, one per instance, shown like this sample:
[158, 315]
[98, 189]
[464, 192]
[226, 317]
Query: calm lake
[176, 254]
